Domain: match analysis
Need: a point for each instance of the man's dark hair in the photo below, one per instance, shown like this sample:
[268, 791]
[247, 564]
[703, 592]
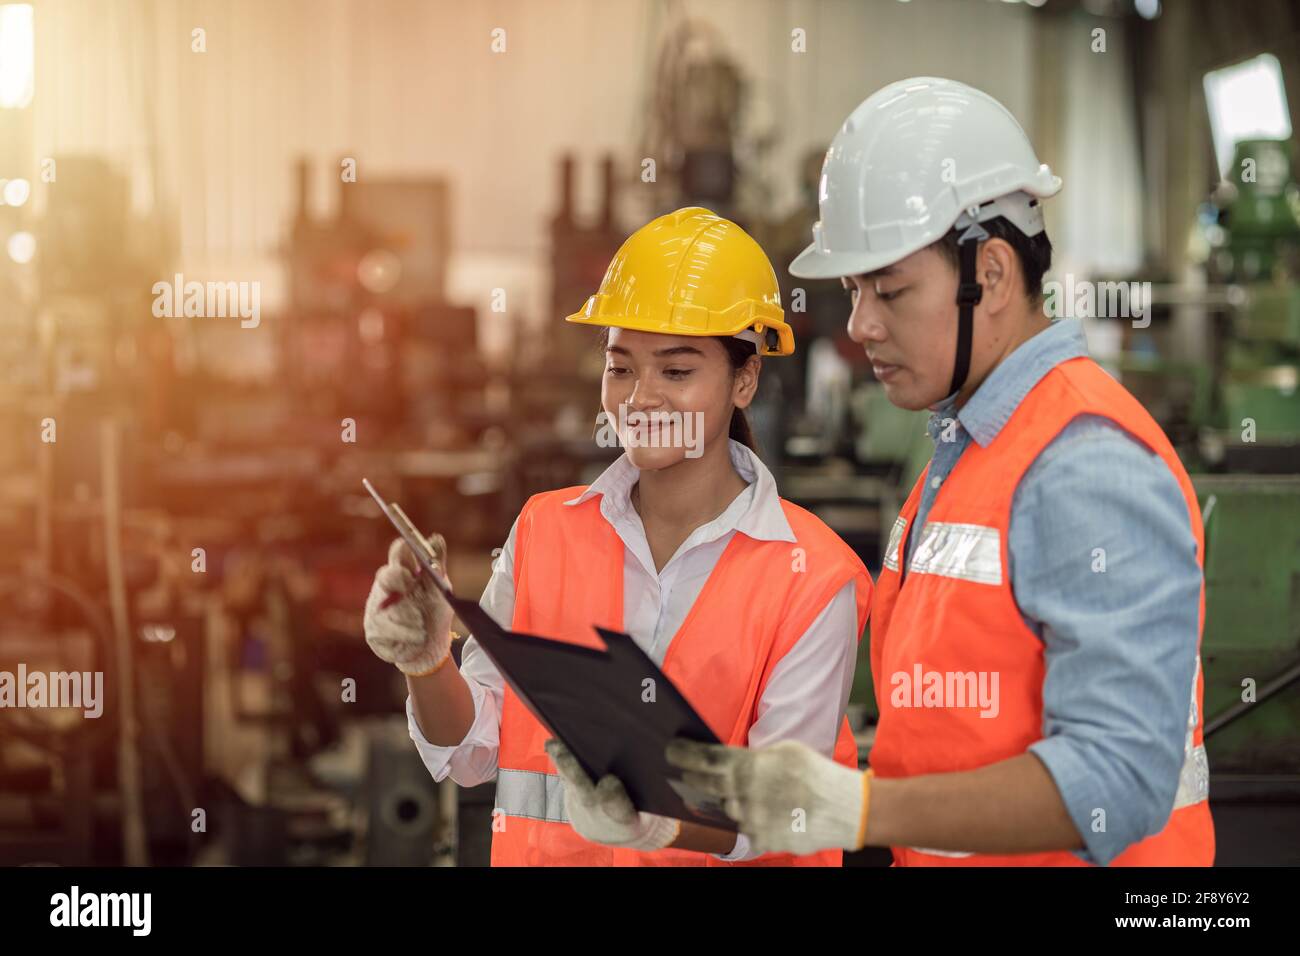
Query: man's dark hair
[1034, 252]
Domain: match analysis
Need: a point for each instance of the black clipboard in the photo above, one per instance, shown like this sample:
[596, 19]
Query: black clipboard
[593, 700]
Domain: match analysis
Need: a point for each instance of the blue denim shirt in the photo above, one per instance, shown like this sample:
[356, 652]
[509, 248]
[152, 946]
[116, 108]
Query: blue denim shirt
[1120, 645]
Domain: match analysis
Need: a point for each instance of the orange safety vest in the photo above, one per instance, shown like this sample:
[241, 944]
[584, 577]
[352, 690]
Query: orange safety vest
[956, 615]
[759, 599]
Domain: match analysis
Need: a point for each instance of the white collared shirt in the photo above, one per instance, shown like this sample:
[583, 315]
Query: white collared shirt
[809, 688]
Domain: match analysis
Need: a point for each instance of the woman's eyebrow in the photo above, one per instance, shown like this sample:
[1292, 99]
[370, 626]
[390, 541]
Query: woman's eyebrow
[673, 350]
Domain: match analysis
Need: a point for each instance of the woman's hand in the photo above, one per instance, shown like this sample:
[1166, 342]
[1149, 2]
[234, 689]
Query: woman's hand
[603, 812]
[413, 632]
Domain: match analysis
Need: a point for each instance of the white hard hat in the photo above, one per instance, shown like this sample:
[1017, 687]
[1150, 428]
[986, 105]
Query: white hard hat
[913, 160]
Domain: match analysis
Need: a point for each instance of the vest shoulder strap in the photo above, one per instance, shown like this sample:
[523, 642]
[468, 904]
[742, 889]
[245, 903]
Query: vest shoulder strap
[544, 502]
[1076, 387]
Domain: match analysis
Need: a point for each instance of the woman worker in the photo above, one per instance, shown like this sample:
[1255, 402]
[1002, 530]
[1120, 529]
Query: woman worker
[751, 605]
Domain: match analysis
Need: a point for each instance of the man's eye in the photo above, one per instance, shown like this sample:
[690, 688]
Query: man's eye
[616, 370]
[678, 373]
[889, 296]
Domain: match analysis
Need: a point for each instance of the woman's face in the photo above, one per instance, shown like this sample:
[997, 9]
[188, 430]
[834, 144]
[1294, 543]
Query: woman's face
[671, 397]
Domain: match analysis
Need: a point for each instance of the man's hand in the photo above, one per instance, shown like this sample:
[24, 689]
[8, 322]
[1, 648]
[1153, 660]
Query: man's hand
[786, 797]
[603, 812]
[414, 633]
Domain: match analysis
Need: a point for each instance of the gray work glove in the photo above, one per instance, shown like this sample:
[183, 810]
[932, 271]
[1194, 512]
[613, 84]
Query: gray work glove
[414, 632]
[603, 812]
[786, 797]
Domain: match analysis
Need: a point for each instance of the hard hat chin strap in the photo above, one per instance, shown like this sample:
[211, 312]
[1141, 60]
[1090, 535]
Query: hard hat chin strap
[969, 293]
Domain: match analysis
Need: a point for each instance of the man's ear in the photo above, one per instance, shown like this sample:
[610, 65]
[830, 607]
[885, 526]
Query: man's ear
[998, 271]
[745, 386]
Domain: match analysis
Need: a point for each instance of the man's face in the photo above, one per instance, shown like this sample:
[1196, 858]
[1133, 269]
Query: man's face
[905, 319]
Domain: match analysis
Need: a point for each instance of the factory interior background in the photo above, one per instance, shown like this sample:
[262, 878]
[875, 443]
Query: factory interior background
[409, 197]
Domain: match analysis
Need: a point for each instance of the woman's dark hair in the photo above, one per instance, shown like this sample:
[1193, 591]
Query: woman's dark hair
[738, 353]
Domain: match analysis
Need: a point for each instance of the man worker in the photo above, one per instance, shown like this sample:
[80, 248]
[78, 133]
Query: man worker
[1035, 638]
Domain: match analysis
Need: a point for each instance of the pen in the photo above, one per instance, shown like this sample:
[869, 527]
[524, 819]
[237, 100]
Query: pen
[409, 533]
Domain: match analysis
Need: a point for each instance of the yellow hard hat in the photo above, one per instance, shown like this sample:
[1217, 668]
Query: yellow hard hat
[692, 272]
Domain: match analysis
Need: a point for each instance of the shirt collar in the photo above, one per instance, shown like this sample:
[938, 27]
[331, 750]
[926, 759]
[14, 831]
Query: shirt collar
[756, 511]
[1001, 393]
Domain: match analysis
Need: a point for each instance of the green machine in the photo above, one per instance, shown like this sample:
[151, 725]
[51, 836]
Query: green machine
[1262, 213]
[1259, 372]
[1251, 644]
[1251, 653]
[1259, 391]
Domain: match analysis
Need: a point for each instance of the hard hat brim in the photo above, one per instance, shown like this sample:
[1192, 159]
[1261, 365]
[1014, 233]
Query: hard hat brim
[785, 335]
[812, 264]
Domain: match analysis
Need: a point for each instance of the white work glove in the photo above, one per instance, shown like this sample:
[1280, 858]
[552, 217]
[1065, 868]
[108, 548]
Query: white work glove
[787, 798]
[603, 812]
[415, 632]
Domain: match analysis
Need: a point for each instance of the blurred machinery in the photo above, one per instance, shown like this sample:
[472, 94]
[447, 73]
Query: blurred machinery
[559, 371]
[1257, 244]
[196, 533]
[693, 121]
[1250, 439]
[47, 765]
[197, 530]
[1251, 654]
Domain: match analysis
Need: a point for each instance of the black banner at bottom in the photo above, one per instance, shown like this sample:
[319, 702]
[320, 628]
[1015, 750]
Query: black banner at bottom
[336, 906]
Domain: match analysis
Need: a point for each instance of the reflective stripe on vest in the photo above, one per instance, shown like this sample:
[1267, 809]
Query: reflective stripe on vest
[895, 541]
[968, 552]
[952, 854]
[1194, 778]
[528, 793]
